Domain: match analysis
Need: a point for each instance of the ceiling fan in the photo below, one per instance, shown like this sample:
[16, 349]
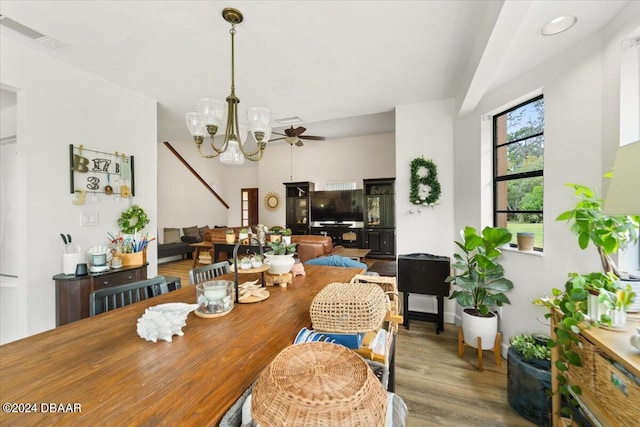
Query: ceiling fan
[294, 136]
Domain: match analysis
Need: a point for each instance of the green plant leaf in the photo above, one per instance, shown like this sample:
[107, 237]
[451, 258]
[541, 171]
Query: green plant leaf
[573, 358]
[564, 216]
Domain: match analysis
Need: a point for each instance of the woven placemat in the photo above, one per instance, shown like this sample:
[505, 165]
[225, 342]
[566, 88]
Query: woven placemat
[318, 384]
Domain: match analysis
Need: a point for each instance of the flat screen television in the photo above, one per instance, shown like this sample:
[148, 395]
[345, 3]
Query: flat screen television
[338, 206]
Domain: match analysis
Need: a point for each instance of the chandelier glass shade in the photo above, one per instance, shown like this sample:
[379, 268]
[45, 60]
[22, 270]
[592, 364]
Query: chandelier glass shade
[211, 112]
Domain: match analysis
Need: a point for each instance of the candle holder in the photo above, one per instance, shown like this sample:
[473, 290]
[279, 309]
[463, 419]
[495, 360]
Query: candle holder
[215, 298]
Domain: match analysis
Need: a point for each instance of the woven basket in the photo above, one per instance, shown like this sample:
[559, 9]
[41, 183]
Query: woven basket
[388, 285]
[345, 308]
[617, 390]
[318, 384]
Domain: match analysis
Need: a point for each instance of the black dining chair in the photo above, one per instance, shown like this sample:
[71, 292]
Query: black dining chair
[208, 272]
[108, 299]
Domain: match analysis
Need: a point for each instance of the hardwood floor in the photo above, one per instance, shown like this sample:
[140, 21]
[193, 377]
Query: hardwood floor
[439, 388]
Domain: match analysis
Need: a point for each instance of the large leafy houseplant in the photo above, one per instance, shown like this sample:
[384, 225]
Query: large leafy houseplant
[477, 273]
[608, 233]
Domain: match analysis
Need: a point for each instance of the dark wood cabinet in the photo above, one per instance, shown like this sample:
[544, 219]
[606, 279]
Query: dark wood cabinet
[379, 222]
[298, 206]
[72, 292]
[381, 241]
[349, 237]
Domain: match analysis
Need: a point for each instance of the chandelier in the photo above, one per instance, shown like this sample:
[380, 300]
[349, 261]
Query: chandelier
[211, 111]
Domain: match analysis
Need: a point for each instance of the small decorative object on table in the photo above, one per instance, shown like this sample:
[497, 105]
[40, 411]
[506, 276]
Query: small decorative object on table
[250, 292]
[215, 298]
[164, 321]
[298, 269]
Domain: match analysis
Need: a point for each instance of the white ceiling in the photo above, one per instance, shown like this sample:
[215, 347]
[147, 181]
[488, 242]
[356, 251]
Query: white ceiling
[319, 60]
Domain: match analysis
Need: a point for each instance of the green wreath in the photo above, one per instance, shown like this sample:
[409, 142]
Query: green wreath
[424, 172]
[132, 220]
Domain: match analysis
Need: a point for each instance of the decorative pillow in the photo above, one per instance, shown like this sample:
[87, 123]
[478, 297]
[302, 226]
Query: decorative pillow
[192, 233]
[171, 235]
[337, 261]
[201, 231]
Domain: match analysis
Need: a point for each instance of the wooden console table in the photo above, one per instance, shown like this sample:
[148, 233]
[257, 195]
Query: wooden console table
[72, 292]
[610, 396]
[101, 364]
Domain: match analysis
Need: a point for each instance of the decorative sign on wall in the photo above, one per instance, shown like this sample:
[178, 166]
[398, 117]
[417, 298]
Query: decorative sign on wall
[425, 187]
[93, 172]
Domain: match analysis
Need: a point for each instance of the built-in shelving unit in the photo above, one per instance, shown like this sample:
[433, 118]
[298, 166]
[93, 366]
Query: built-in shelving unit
[298, 206]
[379, 233]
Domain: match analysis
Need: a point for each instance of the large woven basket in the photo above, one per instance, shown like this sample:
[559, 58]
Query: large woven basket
[318, 384]
[348, 308]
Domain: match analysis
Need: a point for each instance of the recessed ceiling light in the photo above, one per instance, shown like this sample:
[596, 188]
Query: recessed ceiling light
[558, 25]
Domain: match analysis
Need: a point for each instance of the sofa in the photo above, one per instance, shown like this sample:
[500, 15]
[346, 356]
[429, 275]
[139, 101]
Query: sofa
[174, 244]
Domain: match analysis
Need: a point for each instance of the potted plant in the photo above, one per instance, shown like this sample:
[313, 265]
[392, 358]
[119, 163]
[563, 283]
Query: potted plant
[256, 261]
[275, 233]
[286, 235]
[569, 306]
[608, 233]
[529, 378]
[230, 236]
[280, 257]
[617, 304]
[243, 234]
[481, 283]
[593, 283]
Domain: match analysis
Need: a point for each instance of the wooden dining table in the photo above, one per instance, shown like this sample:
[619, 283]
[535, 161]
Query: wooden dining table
[98, 371]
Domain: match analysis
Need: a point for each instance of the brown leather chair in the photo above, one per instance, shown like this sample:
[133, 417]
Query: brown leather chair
[312, 246]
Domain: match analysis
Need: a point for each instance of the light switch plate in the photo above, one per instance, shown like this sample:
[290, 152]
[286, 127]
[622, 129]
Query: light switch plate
[88, 219]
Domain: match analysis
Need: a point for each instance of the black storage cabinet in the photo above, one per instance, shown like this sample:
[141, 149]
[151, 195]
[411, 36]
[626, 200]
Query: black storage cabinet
[424, 274]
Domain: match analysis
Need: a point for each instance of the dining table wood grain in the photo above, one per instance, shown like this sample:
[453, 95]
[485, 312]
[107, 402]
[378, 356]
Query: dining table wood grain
[98, 371]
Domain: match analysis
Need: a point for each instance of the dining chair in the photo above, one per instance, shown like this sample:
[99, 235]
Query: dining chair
[108, 299]
[208, 272]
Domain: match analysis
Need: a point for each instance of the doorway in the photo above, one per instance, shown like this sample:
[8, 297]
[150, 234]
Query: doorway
[249, 208]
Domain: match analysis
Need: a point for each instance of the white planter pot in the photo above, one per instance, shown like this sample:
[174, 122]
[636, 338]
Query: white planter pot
[279, 264]
[484, 327]
[618, 318]
[595, 309]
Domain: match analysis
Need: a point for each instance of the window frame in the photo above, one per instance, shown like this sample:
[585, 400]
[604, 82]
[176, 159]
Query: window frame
[497, 179]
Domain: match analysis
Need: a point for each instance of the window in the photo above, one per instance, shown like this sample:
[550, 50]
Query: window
[340, 185]
[518, 165]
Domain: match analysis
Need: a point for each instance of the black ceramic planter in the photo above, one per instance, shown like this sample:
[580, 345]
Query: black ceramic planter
[527, 386]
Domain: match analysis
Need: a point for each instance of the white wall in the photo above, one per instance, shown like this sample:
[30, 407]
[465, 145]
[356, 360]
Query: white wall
[425, 130]
[182, 200]
[580, 140]
[60, 105]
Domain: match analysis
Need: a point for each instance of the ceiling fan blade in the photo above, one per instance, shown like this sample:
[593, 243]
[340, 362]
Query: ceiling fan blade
[295, 132]
[313, 138]
[277, 139]
[278, 133]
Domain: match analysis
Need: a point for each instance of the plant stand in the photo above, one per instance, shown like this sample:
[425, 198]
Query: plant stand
[496, 348]
[278, 279]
